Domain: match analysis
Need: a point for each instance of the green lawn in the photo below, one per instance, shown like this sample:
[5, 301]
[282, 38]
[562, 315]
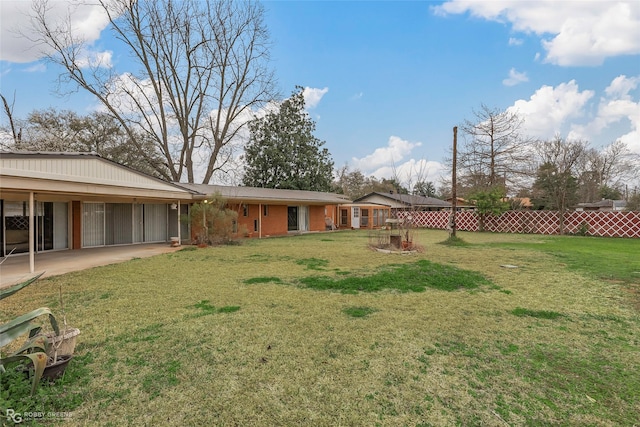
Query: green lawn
[320, 330]
[603, 258]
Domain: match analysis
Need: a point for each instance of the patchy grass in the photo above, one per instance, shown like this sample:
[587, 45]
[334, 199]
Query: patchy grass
[539, 314]
[603, 258]
[157, 349]
[205, 308]
[267, 279]
[313, 263]
[454, 241]
[358, 311]
[413, 277]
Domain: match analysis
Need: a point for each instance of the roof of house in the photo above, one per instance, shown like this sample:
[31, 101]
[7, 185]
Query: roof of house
[268, 195]
[460, 202]
[525, 202]
[409, 200]
[90, 173]
[365, 205]
[80, 173]
[604, 203]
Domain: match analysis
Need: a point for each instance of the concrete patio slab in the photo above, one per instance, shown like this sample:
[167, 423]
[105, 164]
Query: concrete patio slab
[15, 269]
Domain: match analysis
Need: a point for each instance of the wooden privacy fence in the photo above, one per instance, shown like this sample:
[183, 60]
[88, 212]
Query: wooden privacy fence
[604, 224]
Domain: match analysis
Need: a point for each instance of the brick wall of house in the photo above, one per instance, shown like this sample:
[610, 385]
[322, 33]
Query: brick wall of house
[274, 223]
[317, 218]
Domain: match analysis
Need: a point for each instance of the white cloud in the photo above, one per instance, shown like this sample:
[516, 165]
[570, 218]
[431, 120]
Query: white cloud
[617, 105]
[388, 162]
[412, 171]
[396, 149]
[566, 110]
[515, 42]
[621, 86]
[127, 92]
[17, 34]
[548, 110]
[38, 67]
[313, 96]
[575, 33]
[515, 78]
[95, 59]
[587, 40]
[357, 96]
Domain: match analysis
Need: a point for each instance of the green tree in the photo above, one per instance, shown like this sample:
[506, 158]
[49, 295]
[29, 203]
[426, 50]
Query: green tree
[283, 153]
[556, 185]
[489, 202]
[607, 192]
[424, 188]
[554, 190]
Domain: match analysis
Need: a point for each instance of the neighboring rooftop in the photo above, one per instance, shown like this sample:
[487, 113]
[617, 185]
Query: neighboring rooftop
[407, 200]
[604, 204]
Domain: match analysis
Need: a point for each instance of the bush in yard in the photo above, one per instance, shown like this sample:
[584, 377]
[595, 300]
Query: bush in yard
[490, 202]
[211, 221]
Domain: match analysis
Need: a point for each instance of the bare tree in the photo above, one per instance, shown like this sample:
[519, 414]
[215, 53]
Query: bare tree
[350, 183]
[65, 130]
[8, 110]
[203, 66]
[494, 152]
[613, 167]
[556, 182]
[415, 174]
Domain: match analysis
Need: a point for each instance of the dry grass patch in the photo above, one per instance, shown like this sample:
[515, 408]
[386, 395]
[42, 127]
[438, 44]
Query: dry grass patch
[294, 356]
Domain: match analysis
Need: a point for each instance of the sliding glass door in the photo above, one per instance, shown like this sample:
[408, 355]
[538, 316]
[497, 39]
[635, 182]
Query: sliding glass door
[118, 223]
[105, 224]
[50, 226]
[93, 224]
[15, 218]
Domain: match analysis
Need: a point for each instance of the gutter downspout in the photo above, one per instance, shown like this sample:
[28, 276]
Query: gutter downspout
[179, 228]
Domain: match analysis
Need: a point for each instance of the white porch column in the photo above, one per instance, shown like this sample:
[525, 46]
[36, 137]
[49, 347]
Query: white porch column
[179, 228]
[32, 233]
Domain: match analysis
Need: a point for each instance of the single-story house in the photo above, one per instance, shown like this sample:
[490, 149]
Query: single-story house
[363, 215]
[403, 202]
[604, 205]
[520, 203]
[264, 212]
[53, 201]
[461, 204]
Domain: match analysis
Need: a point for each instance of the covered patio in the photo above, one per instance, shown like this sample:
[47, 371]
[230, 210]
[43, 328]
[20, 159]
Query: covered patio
[52, 202]
[16, 269]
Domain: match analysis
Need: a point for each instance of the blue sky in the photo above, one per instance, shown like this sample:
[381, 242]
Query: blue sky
[387, 81]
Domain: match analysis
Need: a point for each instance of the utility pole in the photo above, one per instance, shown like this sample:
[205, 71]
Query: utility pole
[454, 184]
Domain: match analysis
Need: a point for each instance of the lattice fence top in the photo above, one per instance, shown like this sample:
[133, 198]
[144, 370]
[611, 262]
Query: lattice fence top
[604, 224]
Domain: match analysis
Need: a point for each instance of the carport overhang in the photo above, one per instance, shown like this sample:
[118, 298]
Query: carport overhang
[12, 185]
[59, 177]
